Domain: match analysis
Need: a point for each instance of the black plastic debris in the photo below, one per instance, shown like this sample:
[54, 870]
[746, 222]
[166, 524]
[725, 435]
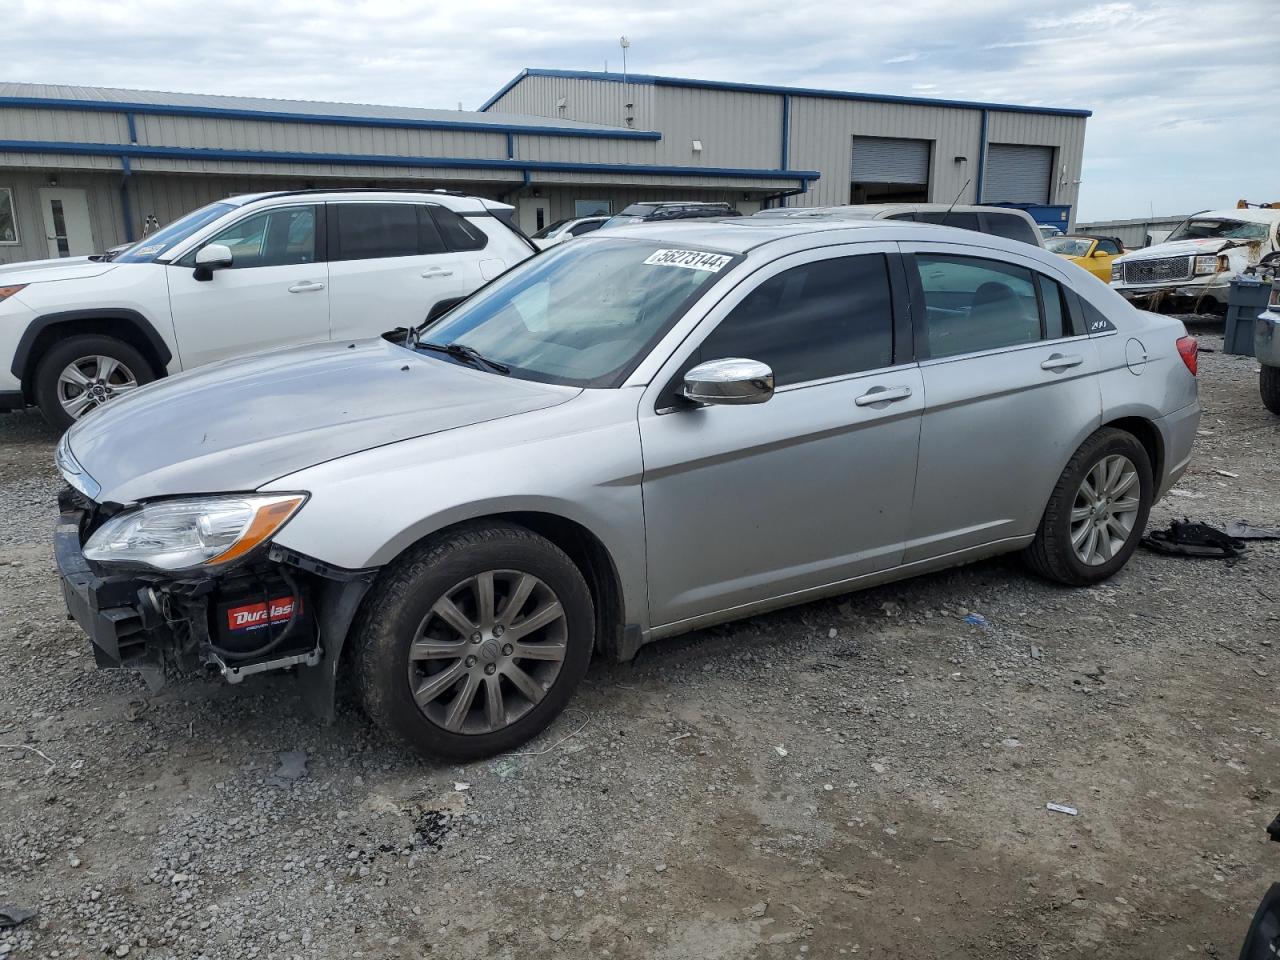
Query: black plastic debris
[1244, 530]
[11, 915]
[1187, 538]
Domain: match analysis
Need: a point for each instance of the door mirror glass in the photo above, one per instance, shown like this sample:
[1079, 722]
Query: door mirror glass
[214, 256]
[1101, 253]
[731, 381]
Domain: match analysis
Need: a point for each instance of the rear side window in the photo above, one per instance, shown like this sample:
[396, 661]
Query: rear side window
[963, 220]
[458, 232]
[370, 231]
[1057, 317]
[824, 319]
[1010, 227]
[974, 304]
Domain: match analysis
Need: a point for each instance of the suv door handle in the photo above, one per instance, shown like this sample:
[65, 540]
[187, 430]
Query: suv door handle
[1058, 361]
[882, 395]
[435, 272]
[306, 286]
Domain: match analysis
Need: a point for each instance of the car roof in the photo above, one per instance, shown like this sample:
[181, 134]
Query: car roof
[870, 211]
[447, 198]
[740, 235]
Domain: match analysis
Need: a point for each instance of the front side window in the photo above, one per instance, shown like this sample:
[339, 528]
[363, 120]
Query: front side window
[8, 219]
[824, 319]
[582, 313]
[589, 226]
[974, 304]
[1109, 246]
[165, 239]
[272, 238]
[1068, 246]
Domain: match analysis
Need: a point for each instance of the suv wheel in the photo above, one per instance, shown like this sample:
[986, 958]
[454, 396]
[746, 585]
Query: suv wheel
[82, 373]
[474, 643]
[1096, 513]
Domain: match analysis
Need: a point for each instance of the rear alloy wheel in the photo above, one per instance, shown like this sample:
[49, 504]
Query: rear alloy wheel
[473, 643]
[1097, 511]
[83, 373]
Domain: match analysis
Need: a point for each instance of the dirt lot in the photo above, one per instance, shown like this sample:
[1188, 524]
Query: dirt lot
[865, 776]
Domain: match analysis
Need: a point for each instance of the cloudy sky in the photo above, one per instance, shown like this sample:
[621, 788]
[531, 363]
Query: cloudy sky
[1184, 92]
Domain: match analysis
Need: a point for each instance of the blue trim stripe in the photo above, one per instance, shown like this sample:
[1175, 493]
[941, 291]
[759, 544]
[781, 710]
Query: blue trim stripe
[765, 88]
[280, 116]
[384, 160]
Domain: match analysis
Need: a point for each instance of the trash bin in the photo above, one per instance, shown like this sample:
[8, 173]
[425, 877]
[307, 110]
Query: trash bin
[1247, 299]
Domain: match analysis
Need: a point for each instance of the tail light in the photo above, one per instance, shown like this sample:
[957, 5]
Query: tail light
[1189, 350]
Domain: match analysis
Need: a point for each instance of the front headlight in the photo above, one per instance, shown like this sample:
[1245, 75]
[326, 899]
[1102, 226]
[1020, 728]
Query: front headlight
[192, 531]
[1207, 264]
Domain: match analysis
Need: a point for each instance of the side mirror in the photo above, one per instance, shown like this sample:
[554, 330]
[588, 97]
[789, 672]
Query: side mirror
[733, 381]
[1101, 253]
[214, 256]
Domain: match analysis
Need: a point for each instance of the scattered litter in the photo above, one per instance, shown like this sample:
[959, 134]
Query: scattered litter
[679, 736]
[942, 839]
[135, 710]
[1179, 492]
[1260, 672]
[660, 868]
[505, 768]
[11, 915]
[1227, 473]
[977, 620]
[565, 739]
[832, 633]
[1011, 742]
[1062, 808]
[1185, 538]
[1244, 530]
[460, 786]
[878, 767]
[1037, 653]
[781, 751]
[293, 765]
[23, 746]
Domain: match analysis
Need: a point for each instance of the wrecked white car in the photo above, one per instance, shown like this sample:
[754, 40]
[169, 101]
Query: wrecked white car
[1194, 267]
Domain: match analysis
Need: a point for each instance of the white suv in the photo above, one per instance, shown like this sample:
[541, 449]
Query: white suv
[241, 276]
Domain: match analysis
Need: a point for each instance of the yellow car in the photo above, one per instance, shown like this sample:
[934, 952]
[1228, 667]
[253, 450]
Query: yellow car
[1093, 253]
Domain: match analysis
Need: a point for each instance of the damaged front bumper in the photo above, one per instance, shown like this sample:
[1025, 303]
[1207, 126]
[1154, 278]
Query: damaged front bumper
[1186, 293]
[280, 611]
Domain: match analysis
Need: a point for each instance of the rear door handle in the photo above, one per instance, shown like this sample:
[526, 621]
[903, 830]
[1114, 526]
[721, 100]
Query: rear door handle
[306, 286]
[1058, 361]
[882, 395]
[435, 272]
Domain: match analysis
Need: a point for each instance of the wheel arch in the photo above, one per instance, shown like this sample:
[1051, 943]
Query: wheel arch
[1146, 432]
[128, 326]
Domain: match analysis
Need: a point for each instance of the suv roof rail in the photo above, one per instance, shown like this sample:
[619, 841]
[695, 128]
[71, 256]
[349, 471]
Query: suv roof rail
[309, 190]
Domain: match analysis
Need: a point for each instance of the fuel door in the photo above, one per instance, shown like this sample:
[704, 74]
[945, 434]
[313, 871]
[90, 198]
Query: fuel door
[1135, 355]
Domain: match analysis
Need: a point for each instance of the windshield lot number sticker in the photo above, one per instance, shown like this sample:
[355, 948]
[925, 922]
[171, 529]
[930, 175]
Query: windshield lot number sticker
[689, 259]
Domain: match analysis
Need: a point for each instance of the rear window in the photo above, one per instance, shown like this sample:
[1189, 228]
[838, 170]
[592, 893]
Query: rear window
[943, 218]
[458, 232]
[1010, 227]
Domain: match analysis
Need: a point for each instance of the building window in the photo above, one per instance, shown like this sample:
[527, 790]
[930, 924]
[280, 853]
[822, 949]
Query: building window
[8, 218]
[592, 208]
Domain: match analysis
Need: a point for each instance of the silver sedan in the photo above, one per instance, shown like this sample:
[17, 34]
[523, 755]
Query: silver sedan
[628, 437]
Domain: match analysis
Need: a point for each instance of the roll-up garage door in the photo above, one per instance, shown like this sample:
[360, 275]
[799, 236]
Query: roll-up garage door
[1017, 173]
[890, 160]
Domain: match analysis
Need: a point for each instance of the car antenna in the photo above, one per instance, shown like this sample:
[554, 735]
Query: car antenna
[955, 201]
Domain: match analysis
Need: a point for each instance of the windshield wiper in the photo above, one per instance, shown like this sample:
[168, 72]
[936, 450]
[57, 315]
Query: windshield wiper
[463, 352]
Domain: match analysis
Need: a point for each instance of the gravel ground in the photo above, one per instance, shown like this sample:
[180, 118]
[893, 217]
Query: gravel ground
[864, 776]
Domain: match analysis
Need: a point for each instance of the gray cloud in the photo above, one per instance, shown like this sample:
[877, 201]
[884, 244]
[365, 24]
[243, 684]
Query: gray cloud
[1181, 90]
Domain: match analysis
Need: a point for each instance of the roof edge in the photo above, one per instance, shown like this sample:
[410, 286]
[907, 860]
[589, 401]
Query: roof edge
[658, 81]
[345, 120]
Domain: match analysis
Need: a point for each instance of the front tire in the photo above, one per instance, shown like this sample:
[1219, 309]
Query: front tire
[471, 644]
[80, 374]
[1269, 387]
[1097, 511]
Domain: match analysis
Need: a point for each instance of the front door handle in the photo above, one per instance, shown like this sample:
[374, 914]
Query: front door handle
[882, 395]
[306, 286]
[435, 272]
[1058, 361]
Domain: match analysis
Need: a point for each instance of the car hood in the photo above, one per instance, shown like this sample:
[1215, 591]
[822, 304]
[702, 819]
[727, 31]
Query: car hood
[235, 425]
[1187, 248]
[70, 268]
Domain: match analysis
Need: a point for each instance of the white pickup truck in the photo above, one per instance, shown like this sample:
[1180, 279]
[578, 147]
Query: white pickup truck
[1194, 267]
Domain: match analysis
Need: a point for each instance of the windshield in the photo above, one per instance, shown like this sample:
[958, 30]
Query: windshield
[584, 313]
[150, 247]
[549, 229]
[1206, 229]
[1068, 246]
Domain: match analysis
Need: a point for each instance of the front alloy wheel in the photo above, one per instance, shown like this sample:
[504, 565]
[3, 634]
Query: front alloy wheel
[89, 382]
[474, 641]
[488, 651]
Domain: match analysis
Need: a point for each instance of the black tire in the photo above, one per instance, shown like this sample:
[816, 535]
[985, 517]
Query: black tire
[404, 595]
[58, 357]
[1269, 387]
[1051, 554]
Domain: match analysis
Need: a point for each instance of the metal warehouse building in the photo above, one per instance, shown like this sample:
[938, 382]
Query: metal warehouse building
[83, 169]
